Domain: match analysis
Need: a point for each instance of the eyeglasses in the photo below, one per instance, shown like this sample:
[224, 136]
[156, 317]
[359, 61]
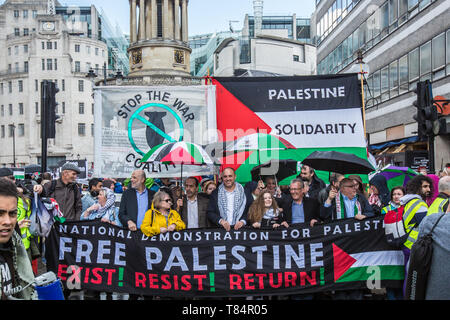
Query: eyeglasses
[168, 200]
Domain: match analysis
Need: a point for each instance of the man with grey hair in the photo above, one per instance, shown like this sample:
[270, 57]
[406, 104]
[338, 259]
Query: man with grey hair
[65, 191]
[300, 209]
[440, 204]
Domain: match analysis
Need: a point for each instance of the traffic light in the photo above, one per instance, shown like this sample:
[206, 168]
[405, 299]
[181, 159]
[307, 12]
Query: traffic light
[427, 116]
[48, 110]
[51, 109]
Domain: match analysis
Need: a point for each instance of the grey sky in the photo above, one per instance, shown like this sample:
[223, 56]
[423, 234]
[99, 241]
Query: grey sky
[205, 16]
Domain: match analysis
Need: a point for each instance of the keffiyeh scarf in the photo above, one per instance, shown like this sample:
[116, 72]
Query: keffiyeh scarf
[239, 203]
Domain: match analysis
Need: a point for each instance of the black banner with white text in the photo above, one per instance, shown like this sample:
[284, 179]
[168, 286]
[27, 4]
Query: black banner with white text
[348, 254]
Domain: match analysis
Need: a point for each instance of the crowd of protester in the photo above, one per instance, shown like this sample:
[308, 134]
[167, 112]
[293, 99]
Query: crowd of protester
[156, 206]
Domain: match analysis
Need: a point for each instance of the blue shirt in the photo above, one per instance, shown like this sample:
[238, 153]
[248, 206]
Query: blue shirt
[142, 204]
[349, 206]
[298, 214]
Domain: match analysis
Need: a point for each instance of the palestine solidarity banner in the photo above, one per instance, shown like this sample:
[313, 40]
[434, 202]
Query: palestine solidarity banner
[305, 113]
[348, 254]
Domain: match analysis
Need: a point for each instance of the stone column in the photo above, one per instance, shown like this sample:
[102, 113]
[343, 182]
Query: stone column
[177, 19]
[165, 16]
[148, 21]
[184, 22]
[133, 21]
[141, 20]
[154, 19]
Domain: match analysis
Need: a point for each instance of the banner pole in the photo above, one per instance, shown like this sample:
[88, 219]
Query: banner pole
[363, 103]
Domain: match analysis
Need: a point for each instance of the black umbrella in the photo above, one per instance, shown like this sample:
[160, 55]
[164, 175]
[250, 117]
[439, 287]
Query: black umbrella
[280, 168]
[32, 168]
[340, 162]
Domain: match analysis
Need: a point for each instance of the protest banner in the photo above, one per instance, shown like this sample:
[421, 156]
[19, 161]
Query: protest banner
[306, 114]
[348, 254]
[130, 121]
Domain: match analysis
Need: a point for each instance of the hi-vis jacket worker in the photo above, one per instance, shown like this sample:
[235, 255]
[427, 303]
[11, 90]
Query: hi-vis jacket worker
[415, 210]
[440, 204]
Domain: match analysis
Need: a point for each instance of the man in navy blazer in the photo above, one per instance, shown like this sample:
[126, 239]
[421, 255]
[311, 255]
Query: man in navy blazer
[135, 202]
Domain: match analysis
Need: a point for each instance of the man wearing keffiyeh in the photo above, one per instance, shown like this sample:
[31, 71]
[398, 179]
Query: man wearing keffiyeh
[345, 203]
[229, 203]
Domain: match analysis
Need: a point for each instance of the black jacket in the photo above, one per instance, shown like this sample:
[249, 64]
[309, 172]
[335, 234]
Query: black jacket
[202, 205]
[311, 209]
[128, 206]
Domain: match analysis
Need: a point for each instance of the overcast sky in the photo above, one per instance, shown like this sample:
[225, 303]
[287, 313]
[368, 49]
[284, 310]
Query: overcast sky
[205, 16]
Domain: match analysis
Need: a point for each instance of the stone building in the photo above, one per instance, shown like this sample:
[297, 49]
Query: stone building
[38, 44]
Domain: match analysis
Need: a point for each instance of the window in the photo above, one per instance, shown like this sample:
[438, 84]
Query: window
[34, 13]
[77, 66]
[21, 130]
[56, 45]
[3, 131]
[88, 49]
[9, 51]
[385, 84]
[16, 32]
[11, 130]
[448, 52]
[425, 60]
[16, 13]
[10, 86]
[56, 64]
[43, 64]
[2, 111]
[20, 85]
[25, 66]
[63, 107]
[16, 67]
[92, 129]
[296, 58]
[413, 64]
[25, 48]
[96, 51]
[81, 129]
[81, 108]
[393, 78]
[77, 48]
[10, 109]
[25, 14]
[36, 85]
[376, 84]
[26, 32]
[43, 45]
[1, 88]
[49, 45]
[438, 50]
[21, 108]
[80, 85]
[403, 74]
[63, 85]
[36, 107]
[49, 64]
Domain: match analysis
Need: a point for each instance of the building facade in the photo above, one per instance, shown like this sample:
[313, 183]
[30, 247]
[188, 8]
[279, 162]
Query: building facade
[402, 42]
[285, 37]
[37, 45]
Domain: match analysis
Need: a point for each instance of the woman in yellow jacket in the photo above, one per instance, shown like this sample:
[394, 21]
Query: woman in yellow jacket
[161, 218]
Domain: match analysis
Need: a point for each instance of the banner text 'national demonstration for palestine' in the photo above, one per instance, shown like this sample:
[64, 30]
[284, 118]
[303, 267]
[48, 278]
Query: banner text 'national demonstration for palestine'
[348, 254]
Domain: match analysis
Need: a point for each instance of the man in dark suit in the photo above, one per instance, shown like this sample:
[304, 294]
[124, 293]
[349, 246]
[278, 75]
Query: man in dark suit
[298, 208]
[135, 202]
[193, 206]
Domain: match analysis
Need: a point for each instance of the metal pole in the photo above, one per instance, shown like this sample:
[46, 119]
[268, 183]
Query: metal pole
[431, 154]
[44, 126]
[14, 144]
[363, 103]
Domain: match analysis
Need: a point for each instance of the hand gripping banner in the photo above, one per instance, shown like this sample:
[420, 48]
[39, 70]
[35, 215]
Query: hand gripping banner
[348, 254]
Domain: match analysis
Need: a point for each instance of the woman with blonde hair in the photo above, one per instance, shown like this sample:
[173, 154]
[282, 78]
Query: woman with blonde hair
[161, 218]
[264, 212]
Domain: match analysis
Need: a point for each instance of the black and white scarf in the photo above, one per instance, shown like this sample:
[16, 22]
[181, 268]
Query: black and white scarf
[239, 203]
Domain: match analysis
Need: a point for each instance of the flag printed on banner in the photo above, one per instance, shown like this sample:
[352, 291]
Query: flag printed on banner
[288, 117]
[356, 266]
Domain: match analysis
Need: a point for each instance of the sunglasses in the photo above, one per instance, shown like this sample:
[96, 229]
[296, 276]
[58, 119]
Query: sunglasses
[168, 200]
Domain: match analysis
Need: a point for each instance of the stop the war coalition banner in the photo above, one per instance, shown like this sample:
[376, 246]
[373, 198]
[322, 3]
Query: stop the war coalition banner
[130, 121]
[348, 254]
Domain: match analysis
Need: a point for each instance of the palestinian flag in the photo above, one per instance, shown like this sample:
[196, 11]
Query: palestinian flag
[305, 114]
[383, 264]
[178, 153]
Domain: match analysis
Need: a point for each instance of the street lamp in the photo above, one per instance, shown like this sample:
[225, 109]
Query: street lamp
[91, 75]
[362, 69]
